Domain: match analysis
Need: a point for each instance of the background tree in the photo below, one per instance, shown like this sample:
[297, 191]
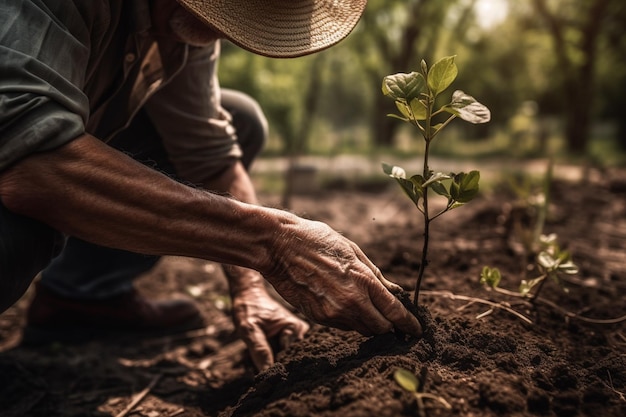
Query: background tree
[576, 27]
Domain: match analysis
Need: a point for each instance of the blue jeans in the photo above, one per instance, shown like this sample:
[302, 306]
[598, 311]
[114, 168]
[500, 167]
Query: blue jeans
[87, 271]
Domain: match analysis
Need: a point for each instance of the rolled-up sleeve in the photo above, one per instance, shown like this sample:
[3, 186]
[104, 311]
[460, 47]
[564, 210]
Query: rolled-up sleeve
[42, 67]
[196, 131]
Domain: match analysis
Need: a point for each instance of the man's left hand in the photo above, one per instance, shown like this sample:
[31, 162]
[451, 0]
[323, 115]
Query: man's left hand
[258, 317]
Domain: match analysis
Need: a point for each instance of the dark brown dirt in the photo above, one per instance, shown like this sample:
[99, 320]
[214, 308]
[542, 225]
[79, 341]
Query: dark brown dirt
[481, 363]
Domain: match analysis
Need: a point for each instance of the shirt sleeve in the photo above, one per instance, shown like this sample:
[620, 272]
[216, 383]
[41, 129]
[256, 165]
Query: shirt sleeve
[196, 131]
[42, 64]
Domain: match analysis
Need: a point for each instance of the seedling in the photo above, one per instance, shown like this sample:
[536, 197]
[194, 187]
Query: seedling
[407, 380]
[415, 95]
[551, 262]
[534, 200]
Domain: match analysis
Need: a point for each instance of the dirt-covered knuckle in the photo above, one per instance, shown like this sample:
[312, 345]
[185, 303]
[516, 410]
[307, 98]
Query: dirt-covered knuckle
[389, 306]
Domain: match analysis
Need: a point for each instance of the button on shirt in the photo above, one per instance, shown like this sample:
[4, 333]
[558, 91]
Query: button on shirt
[73, 67]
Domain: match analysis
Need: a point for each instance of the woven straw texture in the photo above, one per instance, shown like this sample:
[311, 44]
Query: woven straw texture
[280, 28]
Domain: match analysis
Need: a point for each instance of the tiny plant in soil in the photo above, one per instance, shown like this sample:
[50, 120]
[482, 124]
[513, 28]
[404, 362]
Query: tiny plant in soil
[409, 382]
[550, 260]
[415, 95]
[552, 263]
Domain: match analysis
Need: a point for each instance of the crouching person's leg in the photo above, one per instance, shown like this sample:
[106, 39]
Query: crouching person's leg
[26, 247]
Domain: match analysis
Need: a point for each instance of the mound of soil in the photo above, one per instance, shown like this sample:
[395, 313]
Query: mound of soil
[531, 360]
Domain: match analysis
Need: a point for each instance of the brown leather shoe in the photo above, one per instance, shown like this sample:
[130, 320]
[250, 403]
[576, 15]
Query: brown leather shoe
[52, 318]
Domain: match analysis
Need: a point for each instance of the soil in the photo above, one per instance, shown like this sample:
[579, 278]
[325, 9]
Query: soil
[482, 361]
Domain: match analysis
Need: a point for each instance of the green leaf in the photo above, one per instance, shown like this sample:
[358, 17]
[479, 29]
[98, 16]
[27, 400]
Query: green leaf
[456, 205]
[404, 109]
[406, 380]
[404, 87]
[410, 190]
[419, 109]
[568, 268]
[435, 128]
[394, 171]
[396, 116]
[526, 286]
[490, 276]
[546, 260]
[408, 185]
[467, 108]
[436, 177]
[442, 74]
[548, 240]
[440, 189]
[418, 182]
[464, 186]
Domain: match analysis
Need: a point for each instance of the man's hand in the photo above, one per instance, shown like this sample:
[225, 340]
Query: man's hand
[258, 317]
[329, 279]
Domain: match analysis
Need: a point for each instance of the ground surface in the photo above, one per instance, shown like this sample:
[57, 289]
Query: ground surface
[482, 366]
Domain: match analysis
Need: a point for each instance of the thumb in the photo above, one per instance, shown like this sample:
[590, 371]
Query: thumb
[259, 347]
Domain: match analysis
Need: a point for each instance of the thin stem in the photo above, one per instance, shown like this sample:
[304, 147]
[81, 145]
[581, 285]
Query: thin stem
[534, 298]
[452, 296]
[425, 174]
[451, 118]
[577, 316]
[424, 260]
[509, 292]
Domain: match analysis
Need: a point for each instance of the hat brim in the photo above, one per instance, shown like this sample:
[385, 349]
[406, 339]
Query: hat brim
[279, 28]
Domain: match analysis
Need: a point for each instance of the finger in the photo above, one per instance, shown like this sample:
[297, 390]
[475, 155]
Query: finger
[287, 337]
[388, 304]
[292, 333]
[391, 286]
[258, 346]
[376, 322]
[392, 309]
[361, 315]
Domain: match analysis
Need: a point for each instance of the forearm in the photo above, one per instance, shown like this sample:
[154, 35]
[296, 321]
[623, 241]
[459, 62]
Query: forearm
[91, 191]
[235, 181]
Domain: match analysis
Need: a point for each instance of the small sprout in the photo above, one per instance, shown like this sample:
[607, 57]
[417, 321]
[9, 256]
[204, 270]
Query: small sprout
[406, 380]
[409, 382]
[490, 277]
[551, 263]
[548, 240]
[525, 286]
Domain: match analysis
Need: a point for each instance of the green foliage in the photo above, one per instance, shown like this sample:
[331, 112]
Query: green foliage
[415, 94]
[409, 382]
[490, 277]
[406, 379]
[552, 263]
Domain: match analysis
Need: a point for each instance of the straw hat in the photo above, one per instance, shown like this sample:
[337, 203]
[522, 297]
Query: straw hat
[279, 28]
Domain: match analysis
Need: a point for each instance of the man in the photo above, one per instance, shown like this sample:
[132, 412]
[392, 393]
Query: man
[87, 86]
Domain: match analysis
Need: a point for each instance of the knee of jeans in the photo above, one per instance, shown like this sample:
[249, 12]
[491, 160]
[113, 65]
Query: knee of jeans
[26, 247]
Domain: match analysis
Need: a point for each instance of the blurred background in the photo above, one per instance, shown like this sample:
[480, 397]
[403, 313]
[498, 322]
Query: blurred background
[552, 72]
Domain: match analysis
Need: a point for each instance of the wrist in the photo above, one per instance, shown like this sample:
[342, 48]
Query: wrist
[241, 280]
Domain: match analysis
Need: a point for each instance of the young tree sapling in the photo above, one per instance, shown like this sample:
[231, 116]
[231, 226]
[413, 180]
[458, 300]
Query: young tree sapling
[415, 95]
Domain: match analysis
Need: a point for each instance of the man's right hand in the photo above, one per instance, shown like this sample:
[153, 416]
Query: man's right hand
[330, 280]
